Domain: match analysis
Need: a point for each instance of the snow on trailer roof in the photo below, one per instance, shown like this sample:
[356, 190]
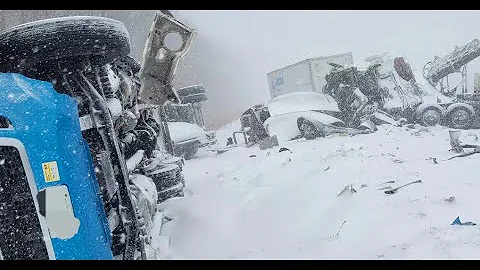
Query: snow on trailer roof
[313, 59]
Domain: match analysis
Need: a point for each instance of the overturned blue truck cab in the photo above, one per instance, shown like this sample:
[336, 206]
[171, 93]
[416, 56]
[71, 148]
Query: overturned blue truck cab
[84, 161]
[48, 189]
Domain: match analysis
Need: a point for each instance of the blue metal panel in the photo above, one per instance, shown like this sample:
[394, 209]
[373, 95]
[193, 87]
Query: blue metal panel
[47, 123]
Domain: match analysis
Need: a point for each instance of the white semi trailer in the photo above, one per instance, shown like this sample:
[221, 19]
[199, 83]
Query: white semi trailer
[305, 76]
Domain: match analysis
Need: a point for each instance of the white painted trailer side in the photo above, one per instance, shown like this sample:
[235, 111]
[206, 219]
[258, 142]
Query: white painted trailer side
[305, 76]
[293, 78]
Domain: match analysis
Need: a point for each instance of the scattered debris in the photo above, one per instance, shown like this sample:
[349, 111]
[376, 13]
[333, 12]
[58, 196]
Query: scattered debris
[420, 131]
[458, 222]
[418, 215]
[393, 191]
[454, 141]
[347, 190]
[337, 235]
[388, 182]
[339, 229]
[451, 199]
[326, 169]
[466, 154]
[222, 150]
[284, 149]
[253, 155]
[396, 160]
[457, 147]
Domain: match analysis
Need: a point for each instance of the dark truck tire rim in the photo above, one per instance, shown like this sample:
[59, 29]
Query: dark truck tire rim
[431, 117]
[460, 118]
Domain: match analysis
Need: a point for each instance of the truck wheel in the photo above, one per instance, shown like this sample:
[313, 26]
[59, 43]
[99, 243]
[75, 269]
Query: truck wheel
[430, 116]
[40, 42]
[459, 118]
[308, 129]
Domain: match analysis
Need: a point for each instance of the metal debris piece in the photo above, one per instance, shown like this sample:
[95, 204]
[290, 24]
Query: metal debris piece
[388, 182]
[451, 199]
[393, 191]
[347, 190]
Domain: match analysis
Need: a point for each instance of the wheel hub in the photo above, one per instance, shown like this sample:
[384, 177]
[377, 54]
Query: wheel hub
[307, 129]
[460, 117]
[431, 118]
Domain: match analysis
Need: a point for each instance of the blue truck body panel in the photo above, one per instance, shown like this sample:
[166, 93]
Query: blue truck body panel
[47, 124]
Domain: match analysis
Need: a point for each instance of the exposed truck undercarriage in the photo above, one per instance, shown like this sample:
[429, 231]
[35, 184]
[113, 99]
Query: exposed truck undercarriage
[121, 118]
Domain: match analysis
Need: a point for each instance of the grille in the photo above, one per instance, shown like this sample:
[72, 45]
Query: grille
[166, 176]
[21, 236]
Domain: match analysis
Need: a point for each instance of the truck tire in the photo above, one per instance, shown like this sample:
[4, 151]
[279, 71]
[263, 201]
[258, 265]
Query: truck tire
[39, 43]
[430, 116]
[308, 129]
[459, 118]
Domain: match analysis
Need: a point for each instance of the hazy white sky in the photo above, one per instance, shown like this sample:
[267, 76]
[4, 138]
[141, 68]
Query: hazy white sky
[269, 40]
[288, 36]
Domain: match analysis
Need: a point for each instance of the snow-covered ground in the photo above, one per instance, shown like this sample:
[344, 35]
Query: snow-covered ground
[264, 204]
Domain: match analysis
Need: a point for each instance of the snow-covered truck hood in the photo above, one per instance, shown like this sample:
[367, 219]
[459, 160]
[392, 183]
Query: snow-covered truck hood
[284, 126]
[300, 102]
[182, 131]
[286, 109]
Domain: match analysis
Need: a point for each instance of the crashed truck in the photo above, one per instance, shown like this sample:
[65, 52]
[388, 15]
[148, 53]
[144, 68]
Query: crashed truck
[390, 86]
[299, 107]
[355, 98]
[83, 158]
[186, 123]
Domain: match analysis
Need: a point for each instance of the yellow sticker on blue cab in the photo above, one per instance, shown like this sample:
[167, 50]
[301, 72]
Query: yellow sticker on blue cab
[50, 171]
